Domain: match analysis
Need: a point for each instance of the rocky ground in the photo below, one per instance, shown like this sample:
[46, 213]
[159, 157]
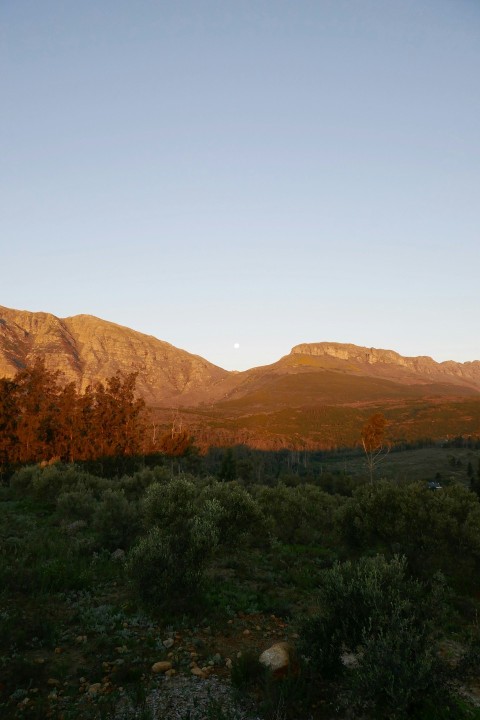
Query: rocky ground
[171, 672]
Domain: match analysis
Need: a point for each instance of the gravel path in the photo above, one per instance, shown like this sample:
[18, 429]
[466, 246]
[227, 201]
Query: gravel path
[189, 698]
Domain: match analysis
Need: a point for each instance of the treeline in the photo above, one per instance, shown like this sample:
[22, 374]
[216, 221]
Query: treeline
[43, 418]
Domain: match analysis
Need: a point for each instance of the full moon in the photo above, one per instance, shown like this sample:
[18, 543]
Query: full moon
[236, 345]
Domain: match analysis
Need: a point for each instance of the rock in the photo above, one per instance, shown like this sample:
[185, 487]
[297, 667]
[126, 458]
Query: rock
[94, 688]
[350, 660]
[118, 555]
[170, 673]
[161, 666]
[278, 658]
[246, 632]
[168, 643]
[228, 664]
[198, 673]
[53, 681]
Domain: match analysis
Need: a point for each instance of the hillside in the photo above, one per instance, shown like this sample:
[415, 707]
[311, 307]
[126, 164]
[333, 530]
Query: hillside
[87, 349]
[318, 395]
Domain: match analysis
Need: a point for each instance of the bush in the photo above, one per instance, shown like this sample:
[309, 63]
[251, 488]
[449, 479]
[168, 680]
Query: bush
[115, 520]
[167, 565]
[435, 530]
[45, 484]
[303, 514]
[241, 520]
[77, 504]
[170, 504]
[136, 484]
[388, 624]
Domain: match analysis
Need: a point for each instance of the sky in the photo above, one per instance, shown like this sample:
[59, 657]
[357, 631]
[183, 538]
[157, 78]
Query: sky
[250, 173]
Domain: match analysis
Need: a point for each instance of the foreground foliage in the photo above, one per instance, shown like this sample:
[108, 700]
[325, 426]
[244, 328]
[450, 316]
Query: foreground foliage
[385, 625]
[103, 570]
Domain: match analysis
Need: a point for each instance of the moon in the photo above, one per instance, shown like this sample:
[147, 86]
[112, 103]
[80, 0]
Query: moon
[236, 346]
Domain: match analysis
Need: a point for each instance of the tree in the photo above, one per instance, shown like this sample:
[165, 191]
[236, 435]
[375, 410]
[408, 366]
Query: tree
[9, 413]
[374, 443]
[41, 418]
[228, 469]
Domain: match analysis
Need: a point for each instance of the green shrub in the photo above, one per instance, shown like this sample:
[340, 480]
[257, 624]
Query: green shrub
[303, 514]
[115, 520]
[247, 671]
[170, 504]
[241, 520]
[435, 530]
[167, 569]
[388, 624]
[21, 480]
[45, 484]
[76, 504]
[136, 484]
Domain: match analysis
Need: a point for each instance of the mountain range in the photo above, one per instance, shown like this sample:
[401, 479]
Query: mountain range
[316, 395]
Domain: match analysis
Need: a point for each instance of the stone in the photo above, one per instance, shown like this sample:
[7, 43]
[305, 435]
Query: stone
[161, 666]
[228, 664]
[118, 555]
[168, 643]
[198, 673]
[94, 688]
[278, 658]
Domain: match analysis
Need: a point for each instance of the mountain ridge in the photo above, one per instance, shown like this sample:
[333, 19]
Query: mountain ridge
[88, 349]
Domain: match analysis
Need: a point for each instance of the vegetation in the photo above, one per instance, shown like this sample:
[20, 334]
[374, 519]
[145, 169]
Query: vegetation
[109, 567]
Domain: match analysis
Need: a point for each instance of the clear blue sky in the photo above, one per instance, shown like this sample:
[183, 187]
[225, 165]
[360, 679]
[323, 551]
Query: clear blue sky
[261, 172]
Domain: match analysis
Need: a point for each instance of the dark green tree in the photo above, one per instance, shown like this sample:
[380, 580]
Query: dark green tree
[228, 468]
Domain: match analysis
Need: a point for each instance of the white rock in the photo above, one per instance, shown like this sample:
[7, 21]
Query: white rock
[277, 658]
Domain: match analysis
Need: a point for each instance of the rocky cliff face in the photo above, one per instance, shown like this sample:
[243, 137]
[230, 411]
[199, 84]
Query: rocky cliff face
[385, 363]
[87, 349]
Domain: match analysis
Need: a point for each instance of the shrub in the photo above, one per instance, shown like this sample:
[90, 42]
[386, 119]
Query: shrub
[167, 565]
[303, 514]
[136, 484]
[45, 484]
[240, 520]
[77, 504]
[169, 505]
[115, 520]
[436, 530]
[388, 624]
